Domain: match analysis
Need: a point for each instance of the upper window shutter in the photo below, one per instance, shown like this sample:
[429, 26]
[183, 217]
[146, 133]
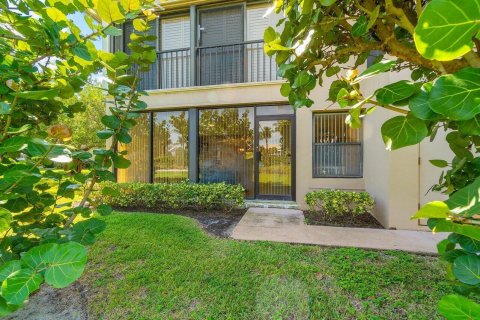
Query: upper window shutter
[256, 23]
[222, 26]
[175, 33]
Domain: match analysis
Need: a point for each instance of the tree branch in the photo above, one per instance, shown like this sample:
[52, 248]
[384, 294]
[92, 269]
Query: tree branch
[389, 107]
[9, 119]
[472, 58]
[419, 8]
[403, 20]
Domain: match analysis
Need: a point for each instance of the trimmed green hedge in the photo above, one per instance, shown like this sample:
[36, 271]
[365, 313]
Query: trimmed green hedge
[338, 202]
[177, 196]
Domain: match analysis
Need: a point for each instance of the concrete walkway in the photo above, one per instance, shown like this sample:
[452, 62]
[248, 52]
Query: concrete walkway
[288, 225]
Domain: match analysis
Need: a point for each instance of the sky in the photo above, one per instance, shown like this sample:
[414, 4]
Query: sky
[80, 22]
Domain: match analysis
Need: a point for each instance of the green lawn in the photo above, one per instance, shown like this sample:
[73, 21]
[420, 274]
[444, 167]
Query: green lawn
[147, 266]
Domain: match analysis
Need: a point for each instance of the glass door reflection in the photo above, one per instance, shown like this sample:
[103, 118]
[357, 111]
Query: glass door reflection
[274, 158]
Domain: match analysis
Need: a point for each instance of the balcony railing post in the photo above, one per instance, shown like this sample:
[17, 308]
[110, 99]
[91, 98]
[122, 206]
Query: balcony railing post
[193, 45]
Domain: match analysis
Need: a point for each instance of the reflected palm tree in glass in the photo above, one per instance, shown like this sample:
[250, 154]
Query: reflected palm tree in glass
[266, 134]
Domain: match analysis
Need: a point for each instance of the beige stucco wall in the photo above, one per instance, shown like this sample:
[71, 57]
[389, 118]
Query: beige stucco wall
[219, 95]
[394, 178]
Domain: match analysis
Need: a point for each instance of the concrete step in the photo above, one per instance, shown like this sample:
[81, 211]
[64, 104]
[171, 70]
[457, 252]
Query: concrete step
[279, 204]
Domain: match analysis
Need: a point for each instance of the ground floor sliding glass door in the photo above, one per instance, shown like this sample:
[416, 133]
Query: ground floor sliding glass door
[226, 147]
[251, 146]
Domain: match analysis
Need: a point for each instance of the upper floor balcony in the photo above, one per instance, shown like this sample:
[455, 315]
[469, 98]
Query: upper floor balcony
[208, 46]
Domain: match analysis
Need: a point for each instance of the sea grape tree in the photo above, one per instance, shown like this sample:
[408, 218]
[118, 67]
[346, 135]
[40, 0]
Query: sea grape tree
[439, 42]
[45, 60]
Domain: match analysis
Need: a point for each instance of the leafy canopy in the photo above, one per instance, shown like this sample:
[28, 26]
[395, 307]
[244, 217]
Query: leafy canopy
[46, 180]
[438, 41]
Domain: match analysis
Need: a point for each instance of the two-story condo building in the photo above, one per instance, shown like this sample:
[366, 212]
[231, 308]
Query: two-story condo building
[215, 113]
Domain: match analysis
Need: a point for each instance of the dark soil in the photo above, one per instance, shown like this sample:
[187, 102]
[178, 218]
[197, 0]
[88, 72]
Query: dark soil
[365, 220]
[217, 223]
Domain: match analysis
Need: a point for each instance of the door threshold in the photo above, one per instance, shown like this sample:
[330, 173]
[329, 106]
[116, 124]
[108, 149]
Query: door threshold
[282, 204]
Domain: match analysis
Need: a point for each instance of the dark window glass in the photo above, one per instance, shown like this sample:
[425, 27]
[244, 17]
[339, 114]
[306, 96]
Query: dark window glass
[138, 153]
[226, 147]
[170, 146]
[274, 110]
[337, 148]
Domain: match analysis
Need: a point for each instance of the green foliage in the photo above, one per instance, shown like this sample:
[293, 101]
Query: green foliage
[46, 63]
[85, 124]
[458, 307]
[444, 95]
[339, 202]
[446, 29]
[179, 196]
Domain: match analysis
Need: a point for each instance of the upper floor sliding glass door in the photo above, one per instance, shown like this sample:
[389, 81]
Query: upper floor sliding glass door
[225, 45]
[220, 53]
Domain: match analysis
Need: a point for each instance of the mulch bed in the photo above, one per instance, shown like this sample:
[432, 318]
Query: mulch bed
[218, 223]
[361, 221]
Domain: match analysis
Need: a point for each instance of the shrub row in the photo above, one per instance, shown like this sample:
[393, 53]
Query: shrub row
[339, 202]
[178, 196]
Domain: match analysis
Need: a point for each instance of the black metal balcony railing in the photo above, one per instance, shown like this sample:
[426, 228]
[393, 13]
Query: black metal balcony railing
[232, 63]
[174, 68]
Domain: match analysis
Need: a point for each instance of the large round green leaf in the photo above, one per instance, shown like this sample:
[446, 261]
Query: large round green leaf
[18, 287]
[455, 307]
[109, 10]
[467, 269]
[468, 244]
[457, 95]
[470, 127]
[466, 201]
[444, 225]
[5, 219]
[22, 175]
[360, 27]
[269, 35]
[379, 67]
[16, 204]
[37, 257]
[37, 95]
[9, 268]
[6, 309]
[446, 28]
[111, 121]
[419, 104]
[401, 131]
[65, 264]
[104, 209]
[327, 3]
[13, 144]
[434, 209]
[84, 231]
[395, 92]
